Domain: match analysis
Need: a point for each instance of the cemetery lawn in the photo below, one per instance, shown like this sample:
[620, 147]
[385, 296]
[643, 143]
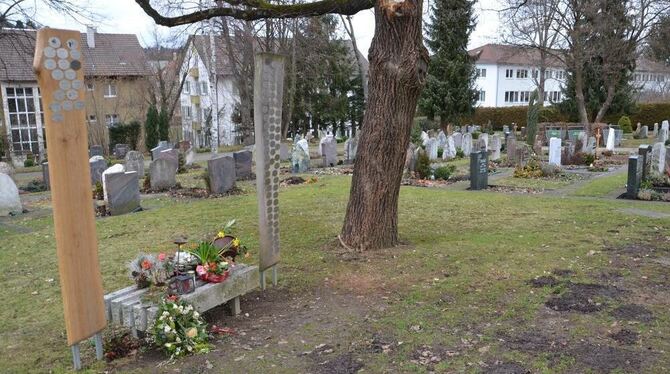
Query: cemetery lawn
[460, 295]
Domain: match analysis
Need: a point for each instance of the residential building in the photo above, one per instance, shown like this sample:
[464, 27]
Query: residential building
[115, 71]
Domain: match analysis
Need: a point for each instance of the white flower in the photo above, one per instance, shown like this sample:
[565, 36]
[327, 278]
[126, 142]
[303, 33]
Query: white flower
[178, 340]
[196, 314]
[168, 345]
[189, 348]
[166, 328]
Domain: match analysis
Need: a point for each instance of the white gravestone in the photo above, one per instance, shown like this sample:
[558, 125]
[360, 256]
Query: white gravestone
[449, 151]
[658, 158]
[496, 144]
[610, 139]
[555, 151]
[118, 168]
[441, 139]
[466, 144]
[431, 148]
[484, 137]
[10, 202]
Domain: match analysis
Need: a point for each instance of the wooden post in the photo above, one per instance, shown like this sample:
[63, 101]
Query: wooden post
[60, 74]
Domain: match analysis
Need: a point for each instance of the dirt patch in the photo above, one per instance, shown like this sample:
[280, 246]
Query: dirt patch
[625, 337]
[342, 364]
[583, 298]
[120, 346]
[500, 367]
[605, 359]
[562, 272]
[381, 344]
[429, 356]
[292, 181]
[633, 312]
[543, 281]
[532, 341]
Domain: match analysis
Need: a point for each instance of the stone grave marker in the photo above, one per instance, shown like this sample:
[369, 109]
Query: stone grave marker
[449, 151]
[189, 157]
[6, 168]
[135, 162]
[511, 150]
[283, 152]
[644, 151]
[95, 150]
[458, 139]
[665, 125]
[329, 151]
[655, 130]
[222, 176]
[662, 136]
[300, 161]
[120, 150]
[591, 145]
[609, 139]
[156, 151]
[162, 174]
[424, 137]
[410, 159]
[242, 164]
[45, 175]
[467, 144]
[350, 150]
[10, 202]
[644, 132]
[431, 148]
[635, 169]
[122, 192]
[479, 170]
[658, 158]
[496, 145]
[484, 138]
[583, 140]
[98, 165]
[118, 168]
[441, 139]
[172, 155]
[555, 151]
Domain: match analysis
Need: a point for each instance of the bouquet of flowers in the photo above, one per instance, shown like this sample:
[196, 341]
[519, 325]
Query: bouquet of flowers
[179, 329]
[229, 245]
[146, 270]
[212, 267]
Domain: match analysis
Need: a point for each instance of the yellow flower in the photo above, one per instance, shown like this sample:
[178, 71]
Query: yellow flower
[236, 242]
[192, 332]
[221, 234]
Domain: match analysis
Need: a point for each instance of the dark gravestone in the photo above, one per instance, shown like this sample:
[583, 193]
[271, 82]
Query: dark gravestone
[98, 165]
[162, 174]
[172, 155]
[242, 164]
[96, 150]
[45, 175]
[135, 162]
[645, 152]
[123, 192]
[120, 150]
[479, 170]
[222, 175]
[635, 169]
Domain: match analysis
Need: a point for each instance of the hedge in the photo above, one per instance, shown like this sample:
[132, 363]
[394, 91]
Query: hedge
[646, 114]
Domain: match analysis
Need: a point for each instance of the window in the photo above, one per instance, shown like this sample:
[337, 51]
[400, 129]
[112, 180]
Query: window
[203, 88]
[186, 111]
[512, 96]
[560, 74]
[482, 96]
[110, 90]
[522, 73]
[187, 87]
[90, 86]
[92, 119]
[481, 73]
[111, 119]
[509, 73]
[535, 73]
[22, 120]
[525, 96]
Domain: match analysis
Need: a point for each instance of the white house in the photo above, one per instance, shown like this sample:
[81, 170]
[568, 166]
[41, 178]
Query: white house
[506, 75]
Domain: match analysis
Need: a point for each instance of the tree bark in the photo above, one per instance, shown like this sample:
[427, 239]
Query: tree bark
[398, 67]
[611, 90]
[579, 97]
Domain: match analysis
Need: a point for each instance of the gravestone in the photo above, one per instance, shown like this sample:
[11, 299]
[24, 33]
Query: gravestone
[505, 129]
[618, 137]
[162, 174]
[644, 132]
[511, 150]
[610, 138]
[189, 157]
[658, 158]
[496, 145]
[283, 152]
[135, 162]
[662, 136]
[424, 137]
[479, 170]
[431, 148]
[98, 165]
[484, 140]
[583, 140]
[441, 139]
[537, 145]
[329, 151]
[644, 151]
[118, 168]
[172, 155]
[410, 157]
[569, 150]
[591, 146]
[467, 144]
[162, 146]
[45, 175]
[350, 150]
[449, 151]
[555, 151]
[120, 150]
[665, 125]
[122, 192]
[222, 176]
[300, 157]
[242, 164]
[10, 202]
[458, 140]
[95, 150]
[635, 169]
[655, 131]
[6, 168]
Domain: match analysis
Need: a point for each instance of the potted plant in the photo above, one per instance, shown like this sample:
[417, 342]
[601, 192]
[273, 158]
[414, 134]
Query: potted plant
[212, 268]
[229, 246]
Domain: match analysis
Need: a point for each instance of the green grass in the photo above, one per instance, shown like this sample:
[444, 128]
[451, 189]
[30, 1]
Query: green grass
[536, 183]
[479, 249]
[629, 142]
[602, 186]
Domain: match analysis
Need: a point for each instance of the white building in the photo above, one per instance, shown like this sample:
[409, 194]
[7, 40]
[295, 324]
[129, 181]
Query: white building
[507, 75]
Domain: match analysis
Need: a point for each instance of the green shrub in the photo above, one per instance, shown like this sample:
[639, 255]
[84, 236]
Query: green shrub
[423, 169]
[460, 153]
[440, 152]
[125, 134]
[625, 124]
[444, 172]
[29, 162]
[475, 135]
[415, 135]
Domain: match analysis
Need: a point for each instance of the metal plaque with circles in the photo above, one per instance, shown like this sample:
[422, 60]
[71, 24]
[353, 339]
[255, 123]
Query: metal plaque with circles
[268, 98]
[59, 68]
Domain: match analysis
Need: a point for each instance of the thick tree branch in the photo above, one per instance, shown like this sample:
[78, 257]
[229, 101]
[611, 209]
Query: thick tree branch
[259, 9]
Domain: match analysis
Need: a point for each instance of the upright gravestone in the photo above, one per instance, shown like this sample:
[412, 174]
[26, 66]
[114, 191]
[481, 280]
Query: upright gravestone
[645, 153]
[122, 192]
[98, 165]
[441, 139]
[511, 150]
[135, 162]
[644, 132]
[350, 149]
[10, 202]
[283, 152]
[479, 170]
[156, 151]
[424, 137]
[591, 146]
[555, 151]
[95, 150]
[162, 174]
[120, 150]
[484, 140]
[610, 139]
[431, 148]
[45, 175]
[662, 136]
[268, 101]
[665, 125]
[496, 145]
[117, 168]
[583, 141]
[635, 169]
[467, 144]
[172, 155]
[329, 151]
[300, 157]
[655, 131]
[449, 151]
[221, 171]
[242, 164]
[458, 140]
[189, 157]
[658, 158]
[410, 159]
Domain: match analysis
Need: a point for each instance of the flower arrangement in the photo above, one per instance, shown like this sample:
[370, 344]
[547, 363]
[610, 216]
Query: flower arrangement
[179, 329]
[230, 246]
[212, 267]
[147, 270]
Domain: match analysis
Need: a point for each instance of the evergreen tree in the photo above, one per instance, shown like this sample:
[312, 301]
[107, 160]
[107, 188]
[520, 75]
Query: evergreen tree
[449, 91]
[151, 128]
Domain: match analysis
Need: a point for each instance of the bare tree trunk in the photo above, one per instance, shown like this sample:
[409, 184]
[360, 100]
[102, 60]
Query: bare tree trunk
[349, 28]
[292, 85]
[398, 67]
[579, 97]
[542, 79]
[611, 90]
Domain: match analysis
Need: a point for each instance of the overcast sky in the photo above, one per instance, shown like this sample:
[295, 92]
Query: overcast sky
[125, 16]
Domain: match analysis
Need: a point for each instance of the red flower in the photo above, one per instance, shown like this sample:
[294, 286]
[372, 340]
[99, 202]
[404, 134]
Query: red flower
[146, 264]
[161, 256]
[172, 298]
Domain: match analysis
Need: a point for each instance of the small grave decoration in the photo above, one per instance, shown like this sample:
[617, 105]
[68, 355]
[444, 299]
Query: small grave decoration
[147, 270]
[212, 268]
[179, 329]
[229, 245]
